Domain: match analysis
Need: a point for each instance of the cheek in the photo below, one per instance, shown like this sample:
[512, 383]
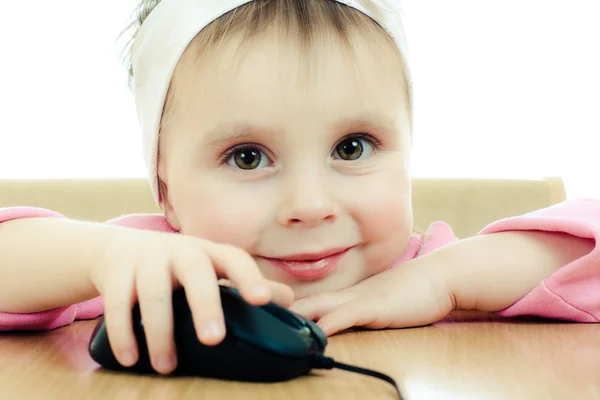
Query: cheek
[218, 212]
[383, 211]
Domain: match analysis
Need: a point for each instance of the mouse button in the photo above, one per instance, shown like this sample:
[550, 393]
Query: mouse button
[260, 329]
[285, 315]
[308, 329]
[277, 338]
[228, 290]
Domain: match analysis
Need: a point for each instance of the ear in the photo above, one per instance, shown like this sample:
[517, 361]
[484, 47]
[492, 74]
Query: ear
[167, 205]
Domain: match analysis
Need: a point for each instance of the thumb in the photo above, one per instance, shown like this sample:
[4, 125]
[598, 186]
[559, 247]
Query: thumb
[359, 313]
[314, 307]
[377, 314]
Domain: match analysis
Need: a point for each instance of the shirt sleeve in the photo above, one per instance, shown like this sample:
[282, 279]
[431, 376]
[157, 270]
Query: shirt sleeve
[438, 234]
[571, 293]
[90, 309]
[11, 213]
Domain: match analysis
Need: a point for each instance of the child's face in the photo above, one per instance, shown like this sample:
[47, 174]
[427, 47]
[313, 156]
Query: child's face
[289, 154]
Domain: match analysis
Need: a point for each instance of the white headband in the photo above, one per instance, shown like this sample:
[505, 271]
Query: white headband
[169, 29]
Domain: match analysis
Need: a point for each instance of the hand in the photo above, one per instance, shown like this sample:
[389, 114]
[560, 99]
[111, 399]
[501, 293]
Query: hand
[486, 272]
[145, 266]
[405, 296]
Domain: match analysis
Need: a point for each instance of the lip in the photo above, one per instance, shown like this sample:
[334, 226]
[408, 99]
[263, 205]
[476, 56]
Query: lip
[309, 266]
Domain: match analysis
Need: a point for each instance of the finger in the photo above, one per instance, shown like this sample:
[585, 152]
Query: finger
[195, 271]
[314, 307]
[119, 297]
[225, 282]
[282, 294]
[154, 289]
[351, 314]
[240, 268]
[379, 313]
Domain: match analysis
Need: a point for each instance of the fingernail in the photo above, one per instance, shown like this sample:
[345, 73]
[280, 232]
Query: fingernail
[211, 331]
[166, 363]
[128, 358]
[261, 290]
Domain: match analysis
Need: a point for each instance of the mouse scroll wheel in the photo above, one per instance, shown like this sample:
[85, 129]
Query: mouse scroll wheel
[286, 316]
[308, 330]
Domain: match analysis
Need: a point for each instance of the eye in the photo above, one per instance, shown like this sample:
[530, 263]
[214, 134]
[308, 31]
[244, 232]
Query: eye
[247, 157]
[354, 147]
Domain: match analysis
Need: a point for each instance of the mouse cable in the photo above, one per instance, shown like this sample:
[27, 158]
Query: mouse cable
[323, 362]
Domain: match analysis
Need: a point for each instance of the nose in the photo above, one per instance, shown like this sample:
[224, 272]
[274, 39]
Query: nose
[307, 202]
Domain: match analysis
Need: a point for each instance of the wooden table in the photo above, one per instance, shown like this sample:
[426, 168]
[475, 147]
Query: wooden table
[467, 356]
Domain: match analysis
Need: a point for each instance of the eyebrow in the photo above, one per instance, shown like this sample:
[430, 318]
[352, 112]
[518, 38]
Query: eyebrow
[370, 122]
[229, 132]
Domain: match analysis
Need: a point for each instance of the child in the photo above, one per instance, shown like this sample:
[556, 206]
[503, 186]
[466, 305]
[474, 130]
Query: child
[278, 136]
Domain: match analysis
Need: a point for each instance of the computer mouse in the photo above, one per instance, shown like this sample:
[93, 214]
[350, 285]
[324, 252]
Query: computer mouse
[263, 343]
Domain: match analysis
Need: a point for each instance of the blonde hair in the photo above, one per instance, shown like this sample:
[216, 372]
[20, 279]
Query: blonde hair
[309, 19]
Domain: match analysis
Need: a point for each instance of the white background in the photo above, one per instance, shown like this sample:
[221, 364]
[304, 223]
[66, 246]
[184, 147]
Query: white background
[504, 89]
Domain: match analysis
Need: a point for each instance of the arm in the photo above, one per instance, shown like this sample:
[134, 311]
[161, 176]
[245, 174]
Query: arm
[43, 259]
[43, 264]
[493, 271]
[545, 263]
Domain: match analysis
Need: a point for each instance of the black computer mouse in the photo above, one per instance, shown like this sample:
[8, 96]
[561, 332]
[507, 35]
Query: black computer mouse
[263, 343]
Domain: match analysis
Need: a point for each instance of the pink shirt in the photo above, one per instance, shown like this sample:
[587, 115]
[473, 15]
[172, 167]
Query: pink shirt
[571, 293]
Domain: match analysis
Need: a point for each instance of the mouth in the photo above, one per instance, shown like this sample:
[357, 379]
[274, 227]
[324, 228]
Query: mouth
[309, 266]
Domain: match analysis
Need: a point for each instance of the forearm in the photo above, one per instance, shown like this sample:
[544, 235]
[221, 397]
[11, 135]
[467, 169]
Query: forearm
[44, 262]
[491, 272]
